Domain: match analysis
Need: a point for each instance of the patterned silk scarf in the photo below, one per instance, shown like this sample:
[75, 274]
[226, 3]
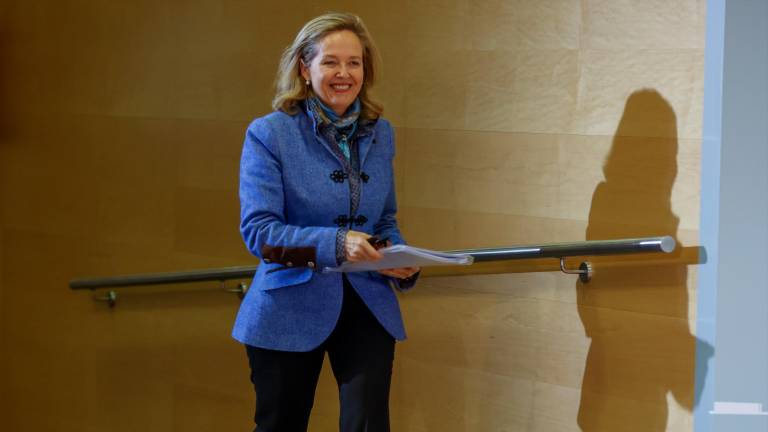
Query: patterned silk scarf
[343, 126]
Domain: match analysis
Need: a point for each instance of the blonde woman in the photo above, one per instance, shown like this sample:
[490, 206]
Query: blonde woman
[316, 189]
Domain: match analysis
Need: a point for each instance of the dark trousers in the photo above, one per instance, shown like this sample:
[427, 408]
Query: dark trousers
[360, 351]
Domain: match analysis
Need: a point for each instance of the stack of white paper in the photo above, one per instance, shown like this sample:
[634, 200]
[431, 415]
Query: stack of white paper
[405, 256]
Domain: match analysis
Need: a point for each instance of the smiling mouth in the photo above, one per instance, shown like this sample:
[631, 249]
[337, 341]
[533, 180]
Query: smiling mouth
[341, 87]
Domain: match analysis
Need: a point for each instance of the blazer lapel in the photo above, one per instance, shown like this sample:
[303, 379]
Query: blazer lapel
[315, 133]
[328, 147]
[365, 140]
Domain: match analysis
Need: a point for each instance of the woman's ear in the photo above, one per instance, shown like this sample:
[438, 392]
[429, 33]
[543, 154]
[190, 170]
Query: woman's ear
[304, 70]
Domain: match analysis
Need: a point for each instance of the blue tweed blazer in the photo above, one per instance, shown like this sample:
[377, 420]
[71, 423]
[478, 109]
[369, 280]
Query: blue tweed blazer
[291, 205]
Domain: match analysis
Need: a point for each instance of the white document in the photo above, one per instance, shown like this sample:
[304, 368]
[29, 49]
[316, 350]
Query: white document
[405, 256]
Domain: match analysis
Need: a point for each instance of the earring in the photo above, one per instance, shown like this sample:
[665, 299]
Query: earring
[308, 82]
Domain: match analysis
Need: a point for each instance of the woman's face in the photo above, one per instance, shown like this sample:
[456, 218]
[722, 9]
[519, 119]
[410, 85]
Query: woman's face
[336, 72]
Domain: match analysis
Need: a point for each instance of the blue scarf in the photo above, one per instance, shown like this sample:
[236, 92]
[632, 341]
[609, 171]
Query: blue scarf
[343, 126]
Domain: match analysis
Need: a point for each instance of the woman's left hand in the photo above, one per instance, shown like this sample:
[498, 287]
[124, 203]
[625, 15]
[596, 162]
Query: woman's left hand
[400, 273]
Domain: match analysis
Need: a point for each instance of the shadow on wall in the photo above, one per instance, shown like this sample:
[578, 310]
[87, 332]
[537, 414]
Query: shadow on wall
[637, 316]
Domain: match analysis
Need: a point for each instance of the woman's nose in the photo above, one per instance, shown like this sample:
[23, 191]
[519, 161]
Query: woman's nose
[342, 72]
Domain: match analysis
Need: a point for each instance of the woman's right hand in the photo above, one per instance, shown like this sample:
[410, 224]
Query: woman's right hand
[357, 248]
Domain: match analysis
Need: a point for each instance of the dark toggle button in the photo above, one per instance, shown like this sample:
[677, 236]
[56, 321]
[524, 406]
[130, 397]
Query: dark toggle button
[364, 177]
[359, 220]
[341, 220]
[338, 176]
[344, 220]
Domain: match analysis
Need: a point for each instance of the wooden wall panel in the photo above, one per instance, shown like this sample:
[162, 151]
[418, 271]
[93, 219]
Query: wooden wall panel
[610, 76]
[554, 121]
[4, 398]
[518, 24]
[517, 122]
[622, 24]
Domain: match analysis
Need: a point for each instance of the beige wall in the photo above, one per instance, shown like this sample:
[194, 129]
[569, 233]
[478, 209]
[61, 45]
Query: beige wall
[519, 128]
[121, 130]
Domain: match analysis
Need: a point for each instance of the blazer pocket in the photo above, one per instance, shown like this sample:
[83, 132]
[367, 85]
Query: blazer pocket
[277, 269]
[280, 277]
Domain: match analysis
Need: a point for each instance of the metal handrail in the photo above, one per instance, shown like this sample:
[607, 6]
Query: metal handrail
[665, 244]
[217, 274]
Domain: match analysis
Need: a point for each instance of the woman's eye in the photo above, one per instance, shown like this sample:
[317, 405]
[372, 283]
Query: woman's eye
[329, 63]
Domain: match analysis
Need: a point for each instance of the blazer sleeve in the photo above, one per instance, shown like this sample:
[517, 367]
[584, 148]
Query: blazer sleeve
[262, 219]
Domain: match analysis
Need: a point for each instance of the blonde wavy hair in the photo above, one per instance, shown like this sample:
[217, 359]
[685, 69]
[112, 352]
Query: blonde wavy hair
[289, 84]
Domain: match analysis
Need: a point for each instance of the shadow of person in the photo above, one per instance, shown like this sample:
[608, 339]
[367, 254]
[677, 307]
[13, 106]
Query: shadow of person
[635, 314]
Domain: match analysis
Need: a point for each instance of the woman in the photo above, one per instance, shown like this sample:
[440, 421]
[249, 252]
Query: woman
[315, 185]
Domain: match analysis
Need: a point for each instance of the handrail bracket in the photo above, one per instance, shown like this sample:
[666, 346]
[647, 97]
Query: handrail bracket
[584, 271]
[110, 298]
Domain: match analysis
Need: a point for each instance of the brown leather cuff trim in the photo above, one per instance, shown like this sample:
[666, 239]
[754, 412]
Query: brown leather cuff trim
[290, 256]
